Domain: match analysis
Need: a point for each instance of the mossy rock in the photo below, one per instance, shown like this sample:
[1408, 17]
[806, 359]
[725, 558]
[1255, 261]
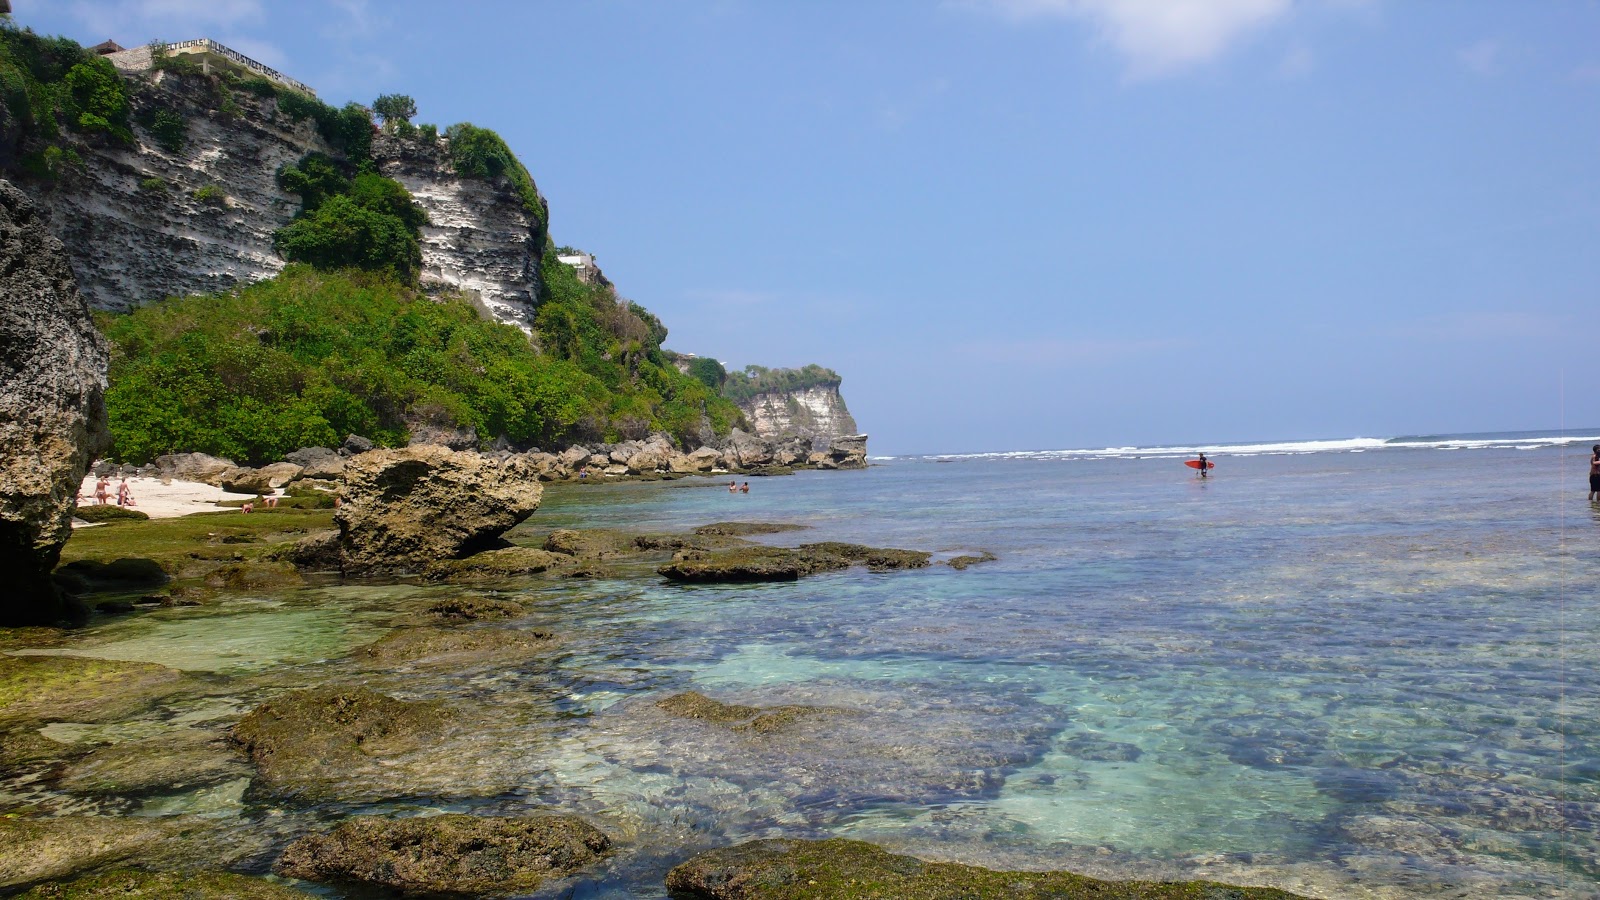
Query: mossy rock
[458, 648]
[107, 513]
[741, 564]
[175, 543]
[466, 608]
[255, 575]
[448, 854]
[26, 747]
[348, 743]
[745, 529]
[960, 563]
[738, 717]
[507, 562]
[878, 559]
[853, 870]
[593, 544]
[126, 574]
[127, 884]
[80, 689]
[39, 849]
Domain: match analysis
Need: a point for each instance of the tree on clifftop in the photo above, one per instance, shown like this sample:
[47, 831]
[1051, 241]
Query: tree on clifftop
[393, 109]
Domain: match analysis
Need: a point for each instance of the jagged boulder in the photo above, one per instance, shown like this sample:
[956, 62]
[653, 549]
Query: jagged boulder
[743, 450]
[264, 480]
[404, 509]
[193, 467]
[52, 407]
[847, 452]
[317, 462]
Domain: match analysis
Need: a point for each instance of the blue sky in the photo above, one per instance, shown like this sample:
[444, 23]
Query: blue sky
[1034, 224]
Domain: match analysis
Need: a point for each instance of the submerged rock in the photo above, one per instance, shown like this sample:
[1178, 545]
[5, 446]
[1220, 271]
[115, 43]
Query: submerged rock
[457, 648]
[339, 742]
[745, 529]
[37, 849]
[841, 869]
[453, 853]
[75, 689]
[179, 761]
[738, 717]
[127, 884]
[52, 408]
[405, 509]
[878, 559]
[760, 563]
[595, 544]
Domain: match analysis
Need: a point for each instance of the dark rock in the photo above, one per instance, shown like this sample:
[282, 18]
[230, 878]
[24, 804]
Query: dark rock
[592, 544]
[457, 610]
[841, 869]
[354, 444]
[318, 552]
[738, 717]
[52, 408]
[254, 575]
[1094, 748]
[742, 564]
[118, 575]
[452, 853]
[962, 562]
[405, 509]
[305, 456]
[878, 559]
[113, 607]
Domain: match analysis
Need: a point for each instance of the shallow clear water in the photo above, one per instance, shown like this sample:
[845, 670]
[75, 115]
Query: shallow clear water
[1350, 674]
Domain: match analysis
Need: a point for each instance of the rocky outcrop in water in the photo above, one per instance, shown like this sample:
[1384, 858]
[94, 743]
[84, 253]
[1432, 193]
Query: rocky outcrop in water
[52, 407]
[451, 854]
[841, 869]
[405, 509]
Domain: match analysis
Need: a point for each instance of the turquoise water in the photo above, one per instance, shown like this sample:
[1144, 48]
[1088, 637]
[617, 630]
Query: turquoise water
[1351, 669]
[1362, 671]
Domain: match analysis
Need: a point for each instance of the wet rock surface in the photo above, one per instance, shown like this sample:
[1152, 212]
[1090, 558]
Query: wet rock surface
[852, 870]
[172, 762]
[458, 648]
[759, 563]
[52, 407]
[75, 689]
[453, 853]
[335, 742]
[508, 562]
[37, 849]
[136, 885]
[405, 509]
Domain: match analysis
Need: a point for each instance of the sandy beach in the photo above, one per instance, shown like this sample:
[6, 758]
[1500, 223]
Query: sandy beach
[160, 499]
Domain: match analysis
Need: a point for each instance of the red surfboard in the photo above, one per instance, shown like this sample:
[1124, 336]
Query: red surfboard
[1195, 464]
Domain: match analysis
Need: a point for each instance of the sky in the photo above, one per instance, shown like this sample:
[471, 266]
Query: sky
[1037, 224]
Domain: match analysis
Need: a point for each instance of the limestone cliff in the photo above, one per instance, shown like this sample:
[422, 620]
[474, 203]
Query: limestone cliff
[52, 412]
[136, 231]
[817, 413]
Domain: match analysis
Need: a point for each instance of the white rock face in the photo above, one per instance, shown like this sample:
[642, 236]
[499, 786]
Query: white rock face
[817, 413]
[131, 244]
[479, 236]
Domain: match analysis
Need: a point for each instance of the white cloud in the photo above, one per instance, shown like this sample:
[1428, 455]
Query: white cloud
[1158, 37]
[1484, 57]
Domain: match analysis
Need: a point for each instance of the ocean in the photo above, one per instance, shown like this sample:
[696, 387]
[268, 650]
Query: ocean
[1351, 669]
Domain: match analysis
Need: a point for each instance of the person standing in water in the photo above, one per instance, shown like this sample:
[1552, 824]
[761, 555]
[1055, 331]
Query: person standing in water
[1594, 474]
[1203, 464]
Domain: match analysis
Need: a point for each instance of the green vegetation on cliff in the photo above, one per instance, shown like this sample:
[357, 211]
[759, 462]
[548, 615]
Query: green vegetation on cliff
[309, 357]
[49, 85]
[367, 222]
[741, 386]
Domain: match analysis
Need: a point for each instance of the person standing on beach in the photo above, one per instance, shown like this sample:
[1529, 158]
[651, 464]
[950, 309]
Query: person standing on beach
[1203, 464]
[124, 494]
[102, 491]
[1594, 474]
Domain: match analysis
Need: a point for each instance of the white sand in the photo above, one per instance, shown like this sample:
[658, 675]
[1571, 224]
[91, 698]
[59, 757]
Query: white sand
[163, 500]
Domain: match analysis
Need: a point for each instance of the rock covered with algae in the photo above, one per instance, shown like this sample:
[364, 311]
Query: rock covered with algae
[449, 854]
[853, 870]
[128, 884]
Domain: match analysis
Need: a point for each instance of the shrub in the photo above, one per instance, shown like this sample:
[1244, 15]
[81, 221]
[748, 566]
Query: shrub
[480, 153]
[341, 232]
[51, 162]
[755, 380]
[708, 372]
[316, 177]
[211, 195]
[153, 184]
[95, 93]
[428, 133]
[168, 127]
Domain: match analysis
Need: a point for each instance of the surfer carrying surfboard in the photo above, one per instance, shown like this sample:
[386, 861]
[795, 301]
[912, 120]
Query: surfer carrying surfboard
[1203, 464]
[1594, 474]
